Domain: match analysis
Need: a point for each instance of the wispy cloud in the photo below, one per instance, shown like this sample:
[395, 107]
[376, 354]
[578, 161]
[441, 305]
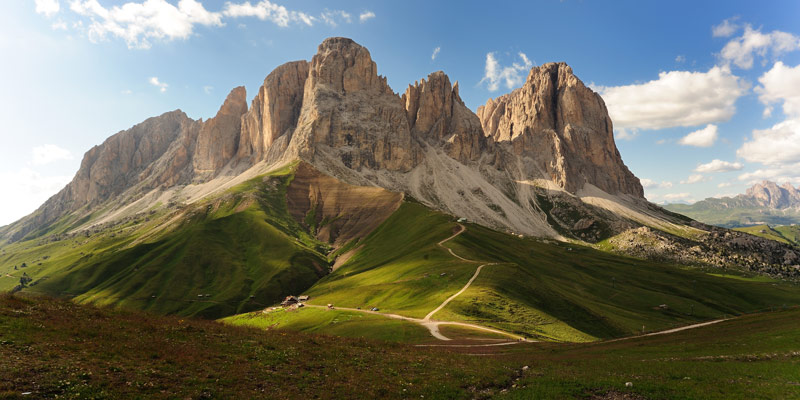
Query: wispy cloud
[726, 28]
[435, 53]
[366, 16]
[49, 153]
[719, 166]
[495, 74]
[742, 50]
[162, 87]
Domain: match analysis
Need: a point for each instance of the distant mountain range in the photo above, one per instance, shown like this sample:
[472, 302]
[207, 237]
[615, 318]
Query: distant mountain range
[763, 203]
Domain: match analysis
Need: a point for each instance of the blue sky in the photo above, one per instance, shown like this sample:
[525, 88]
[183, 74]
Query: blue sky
[688, 84]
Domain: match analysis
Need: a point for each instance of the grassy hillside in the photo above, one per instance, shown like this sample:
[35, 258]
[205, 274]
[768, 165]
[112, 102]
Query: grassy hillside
[55, 348]
[732, 213]
[551, 291]
[234, 253]
[785, 234]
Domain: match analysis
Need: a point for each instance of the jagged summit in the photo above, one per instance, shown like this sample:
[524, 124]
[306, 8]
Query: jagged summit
[553, 135]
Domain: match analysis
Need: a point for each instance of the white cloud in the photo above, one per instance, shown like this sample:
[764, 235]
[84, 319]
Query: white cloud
[162, 87]
[781, 173]
[778, 146]
[625, 134]
[435, 53]
[495, 74]
[366, 16]
[723, 185]
[59, 25]
[651, 184]
[676, 98]
[267, 11]
[680, 59]
[47, 7]
[726, 28]
[702, 137]
[138, 23]
[208, 89]
[332, 18]
[781, 83]
[127, 92]
[695, 178]
[719, 166]
[49, 153]
[742, 50]
[25, 191]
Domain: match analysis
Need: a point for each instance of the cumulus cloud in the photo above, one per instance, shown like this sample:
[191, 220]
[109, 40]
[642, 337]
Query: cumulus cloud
[726, 28]
[162, 87]
[49, 153]
[511, 75]
[28, 189]
[779, 145]
[781, 84]
[702, 137]
[435, 53]
[366, 16]
[723, 185]
[696, 178]
[676, 98]
[719, 166]
[780, 173]
[47, 7]
[139, 23]
[742, 50]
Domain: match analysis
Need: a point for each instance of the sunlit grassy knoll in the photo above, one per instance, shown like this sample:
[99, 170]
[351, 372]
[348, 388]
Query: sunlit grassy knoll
[751, 357]
[333, 322]
[399, 268]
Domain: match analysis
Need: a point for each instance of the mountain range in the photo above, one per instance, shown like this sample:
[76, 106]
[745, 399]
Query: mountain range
[762, 203]
[272, 198]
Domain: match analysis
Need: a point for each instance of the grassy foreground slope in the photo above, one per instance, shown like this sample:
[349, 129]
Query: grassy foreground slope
[234, 253]
[542, 289]
[55, 348]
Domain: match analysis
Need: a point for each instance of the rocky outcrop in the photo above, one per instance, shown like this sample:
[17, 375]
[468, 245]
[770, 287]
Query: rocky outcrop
[274, 111]
[437, 114]
[350, 113]
[564, 127]
[218, 140]
[153, 153]
[769, 194]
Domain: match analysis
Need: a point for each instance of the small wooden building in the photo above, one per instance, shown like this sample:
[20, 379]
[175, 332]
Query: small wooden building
[289, 300]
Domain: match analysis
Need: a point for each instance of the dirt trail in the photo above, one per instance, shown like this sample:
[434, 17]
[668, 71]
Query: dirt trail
[682, 328]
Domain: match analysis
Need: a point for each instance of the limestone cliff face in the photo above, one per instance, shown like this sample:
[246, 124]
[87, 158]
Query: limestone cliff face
[555, 120]
[274, 111]
[350, 113]
[437, 114]
[218, 140]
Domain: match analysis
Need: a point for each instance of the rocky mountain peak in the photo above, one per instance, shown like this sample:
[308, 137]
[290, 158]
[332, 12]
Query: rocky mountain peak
[345, 66]
[218, 140]
[769, 194]
[562, 124]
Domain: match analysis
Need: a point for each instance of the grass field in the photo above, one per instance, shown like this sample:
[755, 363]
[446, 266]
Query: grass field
[234, 253]
[333, 322]
[56, 348]
[556, 292]
[789, 234]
